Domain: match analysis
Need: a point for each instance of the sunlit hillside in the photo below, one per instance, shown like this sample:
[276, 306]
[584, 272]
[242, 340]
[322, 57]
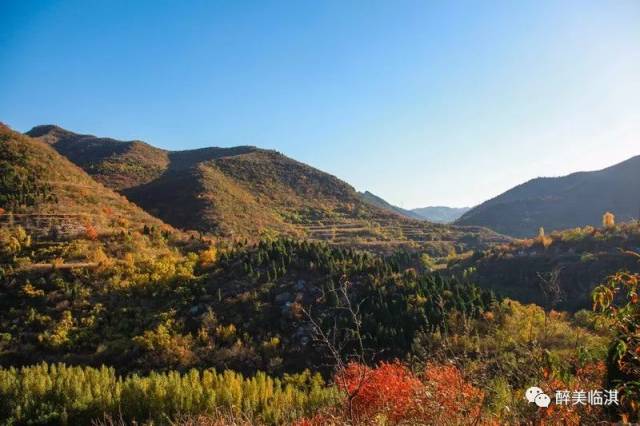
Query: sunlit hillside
[246, 192]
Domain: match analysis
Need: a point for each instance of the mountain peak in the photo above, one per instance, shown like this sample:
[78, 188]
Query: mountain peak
[48, 130]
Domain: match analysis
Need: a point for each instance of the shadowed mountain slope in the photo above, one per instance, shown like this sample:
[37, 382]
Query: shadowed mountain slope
[573, 262]
[578, 199]
[248, 192]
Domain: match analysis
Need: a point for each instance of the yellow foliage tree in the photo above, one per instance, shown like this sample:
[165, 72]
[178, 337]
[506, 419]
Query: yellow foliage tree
[608, 220]
[544, 240]
[208, 256]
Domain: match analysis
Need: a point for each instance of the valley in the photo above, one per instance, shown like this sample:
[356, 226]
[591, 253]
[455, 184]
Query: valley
[264, 287]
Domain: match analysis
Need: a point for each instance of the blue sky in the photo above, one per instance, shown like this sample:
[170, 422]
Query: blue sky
[421, 102]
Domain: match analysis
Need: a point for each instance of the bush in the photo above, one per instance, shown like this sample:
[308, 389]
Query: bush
[391, 394]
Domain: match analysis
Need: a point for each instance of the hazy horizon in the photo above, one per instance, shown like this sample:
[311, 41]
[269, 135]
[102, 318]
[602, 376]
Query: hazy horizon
[422, 104]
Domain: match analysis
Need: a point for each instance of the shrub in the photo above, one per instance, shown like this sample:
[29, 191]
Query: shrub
[619, 303]
[391, 394]
[389, 390]
[455, 398]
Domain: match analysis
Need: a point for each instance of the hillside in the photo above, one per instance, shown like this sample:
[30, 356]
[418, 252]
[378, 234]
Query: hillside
[440, 214]
[373, 199]
[47, 194]
[582, 258]
[246, 192]
[578, 199]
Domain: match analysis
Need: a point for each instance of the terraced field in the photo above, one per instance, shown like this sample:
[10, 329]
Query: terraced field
[388, 235]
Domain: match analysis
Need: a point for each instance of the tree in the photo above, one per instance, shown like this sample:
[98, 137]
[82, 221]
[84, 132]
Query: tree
[20, 184]
[550, 287]
[608, 220]
[90, 232]
[544, 240]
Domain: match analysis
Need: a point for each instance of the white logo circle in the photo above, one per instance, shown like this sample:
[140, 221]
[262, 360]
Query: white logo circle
[532, 392]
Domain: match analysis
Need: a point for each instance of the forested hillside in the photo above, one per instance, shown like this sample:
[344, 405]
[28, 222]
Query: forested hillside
[571, 263]
[168, 309]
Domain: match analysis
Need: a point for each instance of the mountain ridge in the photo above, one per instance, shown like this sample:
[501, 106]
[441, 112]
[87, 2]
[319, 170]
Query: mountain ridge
[555, 203]
[441, 214]
[378, 201]
[66, 200]
[245, 192]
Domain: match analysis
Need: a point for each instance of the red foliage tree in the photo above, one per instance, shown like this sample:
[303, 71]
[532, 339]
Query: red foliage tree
[391, 393]
[90, 232]
[390, 389]
[453, 395]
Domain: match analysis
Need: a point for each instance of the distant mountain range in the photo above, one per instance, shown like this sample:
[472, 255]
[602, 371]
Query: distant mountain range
[373, 199]
[436, 214]
[556, 203]
[441, 214]
[247, 192]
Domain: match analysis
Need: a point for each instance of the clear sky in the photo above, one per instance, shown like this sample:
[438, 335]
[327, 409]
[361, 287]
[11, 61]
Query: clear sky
[421, 102]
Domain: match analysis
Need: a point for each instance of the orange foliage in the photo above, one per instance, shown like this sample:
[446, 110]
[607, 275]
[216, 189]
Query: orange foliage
[389, 389]
[589, 377]
[392, 392]
[2, 211]
[453, 394]
[90, 232]
[318, 420]
[608, 220]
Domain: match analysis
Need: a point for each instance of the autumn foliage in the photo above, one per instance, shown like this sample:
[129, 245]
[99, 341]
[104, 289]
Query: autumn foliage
[390, 389]
[619, 303]
[608, 220]
[90, 232]
[590, 376]
[392, 394]
[453, 395]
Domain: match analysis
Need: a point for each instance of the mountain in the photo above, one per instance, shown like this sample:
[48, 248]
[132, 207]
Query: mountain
[437, 214]
[383, 204]
[555, 203]
[116, 164]
[247, 192]
[440, 214]
[46, 193]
